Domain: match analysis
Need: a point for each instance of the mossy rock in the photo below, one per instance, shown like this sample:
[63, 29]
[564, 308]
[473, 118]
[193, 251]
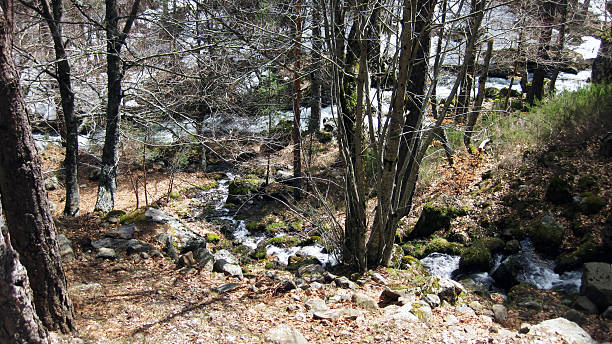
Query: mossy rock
[547, 236]
[243, 186]
[410, 262]
[558, 191]
[114, 213]
[437, 244]
[134, 216]
[588, 251]
[416, 249]
[313, 240]
[275, 227]
[494, 245]
[297, 225]
[396, 256]
[213, 238]
[491, 92]
[283, 241]
[207, 185]
[592, 204]
[295, 262]
[260, 253]
[476, 258]
[434, 218]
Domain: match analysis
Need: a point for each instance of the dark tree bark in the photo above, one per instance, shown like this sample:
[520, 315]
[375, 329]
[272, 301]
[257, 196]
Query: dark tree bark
[18, 320]
[62, 67]
[297, 97]
[24, 199]
[473, 115]
[314, 122]
[546, 11]
[110, 154]
[602, 65]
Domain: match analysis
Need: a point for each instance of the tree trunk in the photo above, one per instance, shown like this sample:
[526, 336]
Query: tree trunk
[546, 11]
[18, 320]
[62, 66]
[24, 199]
[473, 115]
[297, 96]
[314, 122]
[110, 153]
[602, 65]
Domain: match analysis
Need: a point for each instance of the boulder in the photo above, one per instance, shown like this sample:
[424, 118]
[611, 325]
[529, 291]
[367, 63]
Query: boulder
[597, 284]
[583, 304]
[51, 183]
[315, 305]
[398, 313]
[124, 232]
[575, 316]
[571, 332]
[137, 246]
[285, 334]
[390, 295]
[547, 235]
[432, 300]
[434, 218]
[506, 276]
[476, 258]
[228, 269]
[341, 313]
[65, 247]
[446, 289]
[558, 191]
[365, 302]
[226, 288]
[345, 283]
[177, 231]
[106, 253]
[226, 256]
[500, 313]
[422, 311]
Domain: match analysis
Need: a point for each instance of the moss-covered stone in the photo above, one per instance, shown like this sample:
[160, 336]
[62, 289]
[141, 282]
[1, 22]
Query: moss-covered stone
[315, 239]
[276, 227]
[494, 245]
[213, 238]
[434, 218]
[476, 258]
[592, 204]
[295, 262]
[260, 253]
[547, 235]
[324, 136]
[134, 216]
[114, 213]
[243, 186]
[586, 252]
[284, 241]
[409, 262]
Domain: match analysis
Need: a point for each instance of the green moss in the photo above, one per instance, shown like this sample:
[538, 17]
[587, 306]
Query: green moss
[593, 204]
[587, 251]
[476, 258]
[260, 253]
[494, 245]
[547, 235]
[270, 265]
[212, 238]
[209, 184]
[324, 136]
[276, 227]
[133, 217]
[423, 249]
[174, 195]
[296, 262]
[297, 225]
[254, 226]
[315, 239]
[243, 186]
[114, 213]
[435, 218]
[410, 262]
[284, 241]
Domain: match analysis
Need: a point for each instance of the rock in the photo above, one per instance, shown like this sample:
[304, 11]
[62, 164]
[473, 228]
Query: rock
[124, 232]
[65, 247]
[144, 255]
[575, 316]
[226, 256]
[597, 284]
[389, 295]
[547, 236]
[476, 258]
[285, 334]
[525, 328]
[476, 306]
[493, 329]
[432, 300]
[194, 244]
[301, 283]
[583, 304]
[315, 305]
[569, 331]
[286, 286]
[228, 269]
[345, 283]
[186, 260]
[450, 320]
[463, 309]
[558, 191]
[51, 183]
[179, 233]
[506, 276]
[106, 253]
[331, 314]
[226, 288]
[204, 258]
[398, 313]
[500, 313]
[137, 246]
[310, 269]
[531, 304]
[378, 278]
[117, 244]
[446, 289]
[282, 176]
[365, 302]
[512, 247]
[607, 314]
[422, 311]
[434, 218]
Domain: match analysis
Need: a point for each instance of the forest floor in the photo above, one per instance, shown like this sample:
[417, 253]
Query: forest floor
[136, 300]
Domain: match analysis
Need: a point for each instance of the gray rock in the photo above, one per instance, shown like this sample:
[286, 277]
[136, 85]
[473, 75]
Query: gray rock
[123, 232]
[301, 283]
[607, 314]
[571, 332]
[446, 289]
[597, 284]
[422, 311]
[389, 295]
[345, 283]
[286, 286]
[583, 304]
[500, 313]
[144, 255]
[204, 258]
[378, 278]
[186, 260]
[310, 269]
[51, 183]
[575, 316]
[65, 247]
[179, 233]
[106, 253]
[226, 256]
[316, 285]
[228, 269]
[463, 309]
[283, 176]
[117, 244]
[285, 334]
[506, 276]
[225, 288]
[476, 306]
[450, 320]
[432, 300]
[365, 302]
[169, 248]
[398, 313]
[137, 246]
[315, 305]
[331, 314]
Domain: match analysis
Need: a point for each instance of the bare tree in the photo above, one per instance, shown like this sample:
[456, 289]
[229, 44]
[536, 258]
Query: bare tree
[24, 199]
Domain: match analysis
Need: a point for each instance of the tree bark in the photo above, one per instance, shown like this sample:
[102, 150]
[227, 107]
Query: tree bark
[297, 96]
[18, 320]
[31, 228]
[53, 18]
[473, 115]
[314, 122]
[110, 154]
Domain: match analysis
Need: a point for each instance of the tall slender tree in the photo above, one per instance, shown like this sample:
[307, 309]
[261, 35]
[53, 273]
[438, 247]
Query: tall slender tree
[115, 40]
[29, 222]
